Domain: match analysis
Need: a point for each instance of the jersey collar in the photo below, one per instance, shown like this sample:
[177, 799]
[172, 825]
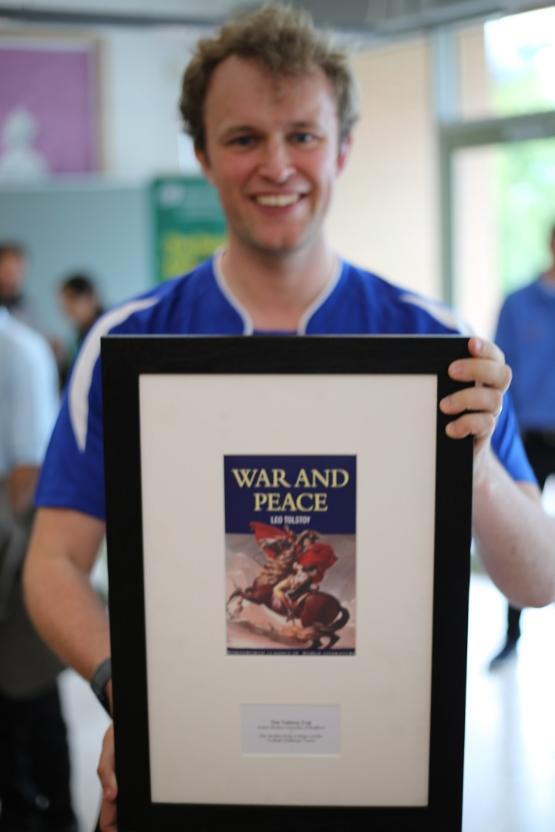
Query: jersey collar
[248, 327]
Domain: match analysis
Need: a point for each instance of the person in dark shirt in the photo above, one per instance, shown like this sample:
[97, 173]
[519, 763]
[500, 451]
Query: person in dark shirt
[81, 304]
[526, 334]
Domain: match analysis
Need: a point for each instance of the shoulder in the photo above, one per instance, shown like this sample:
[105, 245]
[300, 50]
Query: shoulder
[400, 310]
[518, 307]
[164, 308]
[524, 295]
[25, 346]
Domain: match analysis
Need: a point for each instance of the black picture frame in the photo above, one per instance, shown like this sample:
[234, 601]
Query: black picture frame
[125, 360]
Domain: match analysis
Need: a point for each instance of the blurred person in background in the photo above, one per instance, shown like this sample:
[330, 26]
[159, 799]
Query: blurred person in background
[13, 270]
[14, 262]
[34, 757]
[526, 334]
[81, 304]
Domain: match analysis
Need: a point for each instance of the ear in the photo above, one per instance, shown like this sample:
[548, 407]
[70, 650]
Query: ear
[344, 153]
[202, 159]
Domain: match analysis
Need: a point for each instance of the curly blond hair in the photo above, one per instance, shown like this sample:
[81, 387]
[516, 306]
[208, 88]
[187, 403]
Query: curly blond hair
[282, 40]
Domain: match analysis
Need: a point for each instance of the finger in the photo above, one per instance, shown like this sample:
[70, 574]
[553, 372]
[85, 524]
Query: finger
[480, 348]
[481, 399]
[481, 371]
[479, 425]
[108, 816]
[106, 766]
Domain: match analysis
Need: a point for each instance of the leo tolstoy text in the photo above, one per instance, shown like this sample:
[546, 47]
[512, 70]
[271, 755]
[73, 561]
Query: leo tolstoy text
[276, 478]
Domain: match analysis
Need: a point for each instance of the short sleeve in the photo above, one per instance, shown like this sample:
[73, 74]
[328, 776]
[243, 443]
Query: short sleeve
[73, 472]
[508, 446]
[33, 401]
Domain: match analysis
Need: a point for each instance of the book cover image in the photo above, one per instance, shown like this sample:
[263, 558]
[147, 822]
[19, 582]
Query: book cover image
[290, 559]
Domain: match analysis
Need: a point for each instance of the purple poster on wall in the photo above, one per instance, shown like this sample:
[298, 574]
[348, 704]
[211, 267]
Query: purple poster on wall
[47, 110]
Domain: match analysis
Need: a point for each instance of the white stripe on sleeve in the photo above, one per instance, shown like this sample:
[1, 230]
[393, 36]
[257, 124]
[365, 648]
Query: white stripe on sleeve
[78, 394]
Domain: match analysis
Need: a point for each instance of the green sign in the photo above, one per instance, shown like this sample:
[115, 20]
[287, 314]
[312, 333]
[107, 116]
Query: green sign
[188, 224]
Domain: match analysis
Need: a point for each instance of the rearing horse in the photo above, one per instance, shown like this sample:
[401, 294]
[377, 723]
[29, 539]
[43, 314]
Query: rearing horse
[319, 610]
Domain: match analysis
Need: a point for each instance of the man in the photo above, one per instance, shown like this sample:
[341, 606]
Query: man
[82, 306]
[526, 333]
[13, 265]
[313, 559]
[270, 107]
[34, 757]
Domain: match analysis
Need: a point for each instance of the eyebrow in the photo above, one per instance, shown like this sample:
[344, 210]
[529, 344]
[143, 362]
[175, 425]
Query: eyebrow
[238, 128]
[241, 128]
[304, 125]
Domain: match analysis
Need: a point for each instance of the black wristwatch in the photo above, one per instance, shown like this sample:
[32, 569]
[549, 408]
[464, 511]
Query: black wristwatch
[99, 683]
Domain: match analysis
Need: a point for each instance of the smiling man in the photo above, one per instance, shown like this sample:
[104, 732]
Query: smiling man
[270, 106]
[274, 157]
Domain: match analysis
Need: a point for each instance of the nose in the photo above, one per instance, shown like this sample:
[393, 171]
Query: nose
[277, 163]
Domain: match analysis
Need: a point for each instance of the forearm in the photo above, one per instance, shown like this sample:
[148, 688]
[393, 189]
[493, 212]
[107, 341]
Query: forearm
[515, 538]
[21, 487]
[62, 602]
[75, 625]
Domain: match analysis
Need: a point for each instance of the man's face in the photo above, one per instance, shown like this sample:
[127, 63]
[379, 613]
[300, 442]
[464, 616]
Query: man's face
[272, 151]
[12, 275]
[80, 309]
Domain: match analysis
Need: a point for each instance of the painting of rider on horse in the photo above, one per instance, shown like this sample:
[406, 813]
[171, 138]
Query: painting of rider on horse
[285, 601]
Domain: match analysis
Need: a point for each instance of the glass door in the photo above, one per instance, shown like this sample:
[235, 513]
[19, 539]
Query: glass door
[503, 207]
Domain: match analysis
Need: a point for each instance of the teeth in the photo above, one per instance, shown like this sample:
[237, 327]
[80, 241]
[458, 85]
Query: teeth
[277, 200]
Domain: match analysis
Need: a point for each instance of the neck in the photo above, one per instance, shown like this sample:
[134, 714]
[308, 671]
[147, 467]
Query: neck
[277, 289]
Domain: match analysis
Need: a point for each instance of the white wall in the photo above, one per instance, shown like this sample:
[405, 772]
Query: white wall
[140, 82]
[385, 215]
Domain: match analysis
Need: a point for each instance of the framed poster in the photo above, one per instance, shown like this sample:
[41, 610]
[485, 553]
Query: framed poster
[288, 546]
[49, 106]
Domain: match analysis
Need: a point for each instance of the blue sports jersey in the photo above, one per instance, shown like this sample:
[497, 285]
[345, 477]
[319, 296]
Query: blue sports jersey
[526, 334]
[355, 302]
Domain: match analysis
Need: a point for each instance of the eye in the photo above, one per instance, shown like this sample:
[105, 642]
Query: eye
[243, 140]
[303, 137]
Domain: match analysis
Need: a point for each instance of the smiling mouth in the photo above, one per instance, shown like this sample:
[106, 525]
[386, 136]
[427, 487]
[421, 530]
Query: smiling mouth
[277, 200]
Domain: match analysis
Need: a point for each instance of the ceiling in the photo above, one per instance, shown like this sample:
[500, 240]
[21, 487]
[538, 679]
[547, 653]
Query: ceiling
[373, 19]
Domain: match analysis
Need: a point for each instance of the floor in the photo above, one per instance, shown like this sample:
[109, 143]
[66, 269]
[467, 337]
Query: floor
[510, 742]
[510, 736]
[509, 783]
